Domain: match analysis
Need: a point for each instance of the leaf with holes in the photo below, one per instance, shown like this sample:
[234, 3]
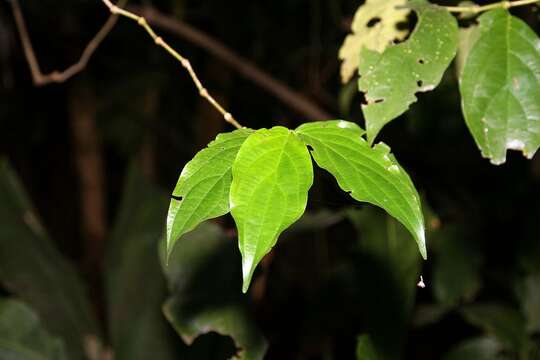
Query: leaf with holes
[369, 174]
[202, 191]
[271, 178]
[390, 80]
[375, 27]
[500, 87]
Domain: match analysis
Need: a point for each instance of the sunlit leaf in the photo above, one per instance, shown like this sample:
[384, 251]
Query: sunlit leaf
[202, 191]
[390, 80]
[204, 278]
[272, 174]
[23, 337]
[375, 27]
[32, 268]
[369, 174]
[500, 87]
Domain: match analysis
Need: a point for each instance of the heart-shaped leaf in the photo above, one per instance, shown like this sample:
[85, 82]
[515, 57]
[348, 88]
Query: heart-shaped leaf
[202, 191]
[390, 80]
[500, 87]
[369, 174]
[272, 174]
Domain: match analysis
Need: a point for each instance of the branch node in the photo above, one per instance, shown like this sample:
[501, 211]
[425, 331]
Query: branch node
[204, 93]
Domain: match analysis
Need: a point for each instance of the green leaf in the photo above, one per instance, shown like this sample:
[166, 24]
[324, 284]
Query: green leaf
[32, 268]
[467, 38]
[500, 87]
[205, 283]
[22, 336]
[271, 178]
[365, 349]
[484, 348]
[456, 268]
[530, 301]
[137, 326]
[504, 322]
[375, 27]
[202, 191]
[369, 174]
[390, 80]
[389, 265]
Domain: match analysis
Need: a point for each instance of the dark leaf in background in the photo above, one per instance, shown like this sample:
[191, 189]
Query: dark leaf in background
[23, 336]
[501, 321]
[388, 270]
[204, 276]
[136, 287]
[34, 270]
[484, 348]
[365, 349]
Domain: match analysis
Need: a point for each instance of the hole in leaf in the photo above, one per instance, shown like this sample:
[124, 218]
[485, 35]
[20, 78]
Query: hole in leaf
[178, 198]
[373, 22]
[419, 83]
[378, 101]
[421, 61]
[310, 148]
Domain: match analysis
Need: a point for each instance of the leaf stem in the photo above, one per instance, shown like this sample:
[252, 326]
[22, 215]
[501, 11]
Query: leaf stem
[478, 9]
[185, 62]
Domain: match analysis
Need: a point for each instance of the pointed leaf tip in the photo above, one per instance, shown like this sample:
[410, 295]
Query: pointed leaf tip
[369, 174]
[271, 175]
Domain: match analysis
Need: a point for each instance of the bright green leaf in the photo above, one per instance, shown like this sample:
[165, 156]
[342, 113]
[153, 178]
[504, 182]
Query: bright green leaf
[375, 27]
[33, 269]
[369, 174]
[22, 336]
[390, 80]
[202, 191]
[271, 178]
[500, 87]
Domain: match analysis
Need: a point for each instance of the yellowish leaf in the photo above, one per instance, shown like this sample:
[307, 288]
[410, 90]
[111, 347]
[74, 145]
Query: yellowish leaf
[375, 27]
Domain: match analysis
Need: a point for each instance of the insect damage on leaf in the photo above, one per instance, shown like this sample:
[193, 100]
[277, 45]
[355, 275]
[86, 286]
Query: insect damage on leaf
[375, 27]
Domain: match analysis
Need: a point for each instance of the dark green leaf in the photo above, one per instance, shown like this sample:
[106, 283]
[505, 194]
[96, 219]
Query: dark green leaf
[484, 348]
[456, 268]
[530, 302]
[369, 174]
[271, 178]
[365, 349]
[205, 280]
[135, 284]
[33, 269]
[390, 80]
[505, 323]
[202, 191]
[22, 336]
[500, 87]
[389, 267]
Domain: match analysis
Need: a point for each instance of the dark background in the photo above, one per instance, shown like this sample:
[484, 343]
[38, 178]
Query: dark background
[135, 104]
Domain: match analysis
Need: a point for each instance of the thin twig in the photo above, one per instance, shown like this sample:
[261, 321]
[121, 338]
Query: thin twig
[243, 66]
[185, 62]
[56, 76]
[478, 9]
